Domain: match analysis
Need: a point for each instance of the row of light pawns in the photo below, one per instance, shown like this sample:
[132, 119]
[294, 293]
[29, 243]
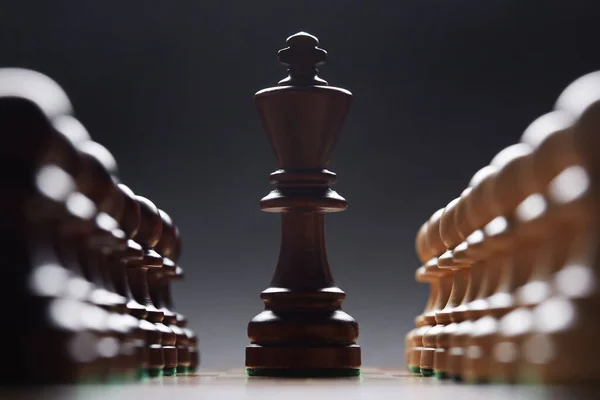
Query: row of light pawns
[89, 263]
[513, 262]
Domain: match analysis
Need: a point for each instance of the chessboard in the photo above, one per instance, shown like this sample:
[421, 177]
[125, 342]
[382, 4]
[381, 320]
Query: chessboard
[373, 384]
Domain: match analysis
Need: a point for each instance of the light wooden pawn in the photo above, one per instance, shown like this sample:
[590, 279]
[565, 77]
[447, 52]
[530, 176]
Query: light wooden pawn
[443, 279]
[414, 338]
[563, 346]
[531, 261]
[451, 238]
[471, 253]
[499, 276]
[484, 272]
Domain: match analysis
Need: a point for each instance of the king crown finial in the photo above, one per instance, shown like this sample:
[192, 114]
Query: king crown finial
[302, 58]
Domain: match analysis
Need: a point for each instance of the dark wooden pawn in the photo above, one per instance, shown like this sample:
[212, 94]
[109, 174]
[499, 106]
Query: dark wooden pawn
[129, 222]
[73, 241]
[172, 251]
[160, 292]
[97, 180]
[132, 252]
[303, 330]
[156, 278]
[37, 168]
[148, 236]
[98, 198]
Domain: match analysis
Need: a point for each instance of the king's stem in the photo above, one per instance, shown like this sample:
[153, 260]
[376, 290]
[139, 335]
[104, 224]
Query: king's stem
[302, 264]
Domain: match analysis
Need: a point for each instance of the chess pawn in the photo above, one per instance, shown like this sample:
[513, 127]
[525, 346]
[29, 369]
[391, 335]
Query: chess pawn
[40, 158]
[532, 261]
[119, 265]
[35, 170]
[169, 248]
[472, 254]
[168, 335]
[117, 262]
[557, 231]
[303, 329]
[99, 197]
[159, 288]
[189, 352]
[80, 219]
[460, 278]
[183, 339]
[414, 339]
[73, 243]
[480, 214]
[424, 321]
[443, 279]
[147, 236]
[508, 267]
[561, 347]
[97, 181]
[55, 347]
[38, 164]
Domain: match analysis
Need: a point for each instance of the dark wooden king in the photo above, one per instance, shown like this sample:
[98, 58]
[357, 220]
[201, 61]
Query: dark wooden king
[303, 330]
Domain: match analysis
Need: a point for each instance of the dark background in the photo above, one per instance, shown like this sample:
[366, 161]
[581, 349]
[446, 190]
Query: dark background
[440, 87]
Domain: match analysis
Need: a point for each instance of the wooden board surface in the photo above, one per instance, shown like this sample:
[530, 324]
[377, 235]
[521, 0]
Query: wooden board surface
[374, 384]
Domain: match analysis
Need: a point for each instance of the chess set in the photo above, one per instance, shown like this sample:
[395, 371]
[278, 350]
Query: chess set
[511, 262]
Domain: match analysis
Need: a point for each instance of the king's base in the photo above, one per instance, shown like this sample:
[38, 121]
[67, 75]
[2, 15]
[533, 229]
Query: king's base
[304, 373]
[299, 361]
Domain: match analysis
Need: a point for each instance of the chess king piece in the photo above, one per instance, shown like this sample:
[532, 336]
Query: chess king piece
[303, 330]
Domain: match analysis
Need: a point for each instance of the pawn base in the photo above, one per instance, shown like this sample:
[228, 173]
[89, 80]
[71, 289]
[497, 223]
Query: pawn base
[155, 372]
[142, 374]
[183, 369]
[415, 369]
[299, 360]
[304, 373]
[440, 375]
